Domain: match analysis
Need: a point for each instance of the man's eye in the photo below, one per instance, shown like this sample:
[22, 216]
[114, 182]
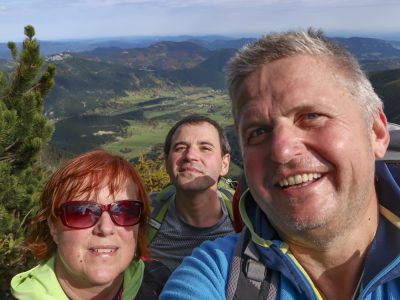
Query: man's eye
[312, 116]
[312, 120]
[257, 135]
[180, 149]
[257, 132]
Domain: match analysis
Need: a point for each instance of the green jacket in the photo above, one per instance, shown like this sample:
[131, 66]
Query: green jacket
[40, 283]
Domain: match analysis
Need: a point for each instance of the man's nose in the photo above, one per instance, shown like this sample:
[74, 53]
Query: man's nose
[287, 143]
[192, 153]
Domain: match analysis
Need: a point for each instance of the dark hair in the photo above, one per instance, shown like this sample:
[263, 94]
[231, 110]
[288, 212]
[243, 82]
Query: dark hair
[197, 119]
[85, 174]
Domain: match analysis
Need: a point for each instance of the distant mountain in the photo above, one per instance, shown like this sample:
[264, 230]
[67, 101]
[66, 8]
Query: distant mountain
[89, 79]
[82, 84]
[224, 43]
[160, 56]
[363, 48]
[208, 73]
[369, 48]
[387, 86]
[82, 45]
[395, 44]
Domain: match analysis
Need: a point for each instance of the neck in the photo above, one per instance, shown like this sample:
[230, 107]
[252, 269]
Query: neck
[199, 208]
[337, 267]
[78, 289]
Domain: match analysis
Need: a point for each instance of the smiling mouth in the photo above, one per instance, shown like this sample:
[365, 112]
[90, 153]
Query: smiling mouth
[299, 179]
[103, 250]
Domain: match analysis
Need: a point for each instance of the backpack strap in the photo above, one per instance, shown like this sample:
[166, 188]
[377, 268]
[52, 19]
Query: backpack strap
[159, 207]
[160, 203]
[226, 190]
[249, 278]
[227, 195]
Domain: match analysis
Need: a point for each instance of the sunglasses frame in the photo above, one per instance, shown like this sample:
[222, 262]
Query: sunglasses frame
[62, 212]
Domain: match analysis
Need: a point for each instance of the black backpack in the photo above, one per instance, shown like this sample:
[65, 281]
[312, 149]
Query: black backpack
[154, 278]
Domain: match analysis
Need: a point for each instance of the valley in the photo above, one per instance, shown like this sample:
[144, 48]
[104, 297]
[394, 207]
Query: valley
[137, 124]
[125, 97]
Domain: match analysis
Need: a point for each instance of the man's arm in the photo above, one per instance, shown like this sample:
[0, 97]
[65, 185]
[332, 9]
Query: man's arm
[204, 274]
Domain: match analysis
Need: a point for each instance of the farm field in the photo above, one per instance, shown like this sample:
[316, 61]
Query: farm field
[138, 123]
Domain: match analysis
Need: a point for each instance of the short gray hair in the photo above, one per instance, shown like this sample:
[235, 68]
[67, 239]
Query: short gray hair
[312, 42]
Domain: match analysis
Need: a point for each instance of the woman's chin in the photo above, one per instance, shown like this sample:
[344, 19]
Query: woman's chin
[103, 277]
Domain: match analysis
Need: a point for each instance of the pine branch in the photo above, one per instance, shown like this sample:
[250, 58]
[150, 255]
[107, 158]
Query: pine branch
[8, 158]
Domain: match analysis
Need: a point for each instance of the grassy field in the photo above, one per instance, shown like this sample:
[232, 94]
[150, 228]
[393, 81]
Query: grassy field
[140, 139]
[146, 116]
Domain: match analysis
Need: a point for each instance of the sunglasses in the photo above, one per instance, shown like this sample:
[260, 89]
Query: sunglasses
[85, 214]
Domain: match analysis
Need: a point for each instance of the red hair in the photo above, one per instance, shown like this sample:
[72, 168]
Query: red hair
[85, 175]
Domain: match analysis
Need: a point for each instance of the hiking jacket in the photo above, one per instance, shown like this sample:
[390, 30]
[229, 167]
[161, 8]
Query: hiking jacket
[40, 283]
[205, 274]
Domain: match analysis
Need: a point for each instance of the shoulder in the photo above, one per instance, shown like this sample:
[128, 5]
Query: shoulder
[153, 196]
[161, 197]
[219, 248]
[38, 282]
[204, 274]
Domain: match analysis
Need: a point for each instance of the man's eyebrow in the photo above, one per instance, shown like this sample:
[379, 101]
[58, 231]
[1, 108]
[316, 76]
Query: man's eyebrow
[178, 143]
[206, 143]
[251, 119]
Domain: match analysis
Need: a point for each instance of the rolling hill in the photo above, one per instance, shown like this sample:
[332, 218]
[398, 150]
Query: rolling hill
[160, 56]
[82, 85]
[387, 86]
[126, 98]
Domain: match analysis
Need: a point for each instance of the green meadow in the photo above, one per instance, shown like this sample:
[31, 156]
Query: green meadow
[137, 124]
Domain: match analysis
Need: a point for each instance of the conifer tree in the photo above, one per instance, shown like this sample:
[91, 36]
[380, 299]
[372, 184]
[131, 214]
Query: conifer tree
[24, 131]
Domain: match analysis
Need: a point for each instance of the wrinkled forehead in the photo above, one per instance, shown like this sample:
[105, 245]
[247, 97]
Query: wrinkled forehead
[246, 87]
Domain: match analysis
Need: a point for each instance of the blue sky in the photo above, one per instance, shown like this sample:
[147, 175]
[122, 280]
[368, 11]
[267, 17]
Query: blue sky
[69, 19]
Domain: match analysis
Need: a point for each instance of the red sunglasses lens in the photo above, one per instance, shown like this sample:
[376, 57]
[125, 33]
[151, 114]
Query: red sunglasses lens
[84, 214]
[126, 212]
[79, 215]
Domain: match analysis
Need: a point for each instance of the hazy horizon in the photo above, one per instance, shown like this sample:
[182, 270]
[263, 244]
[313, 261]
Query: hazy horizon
[58, 20]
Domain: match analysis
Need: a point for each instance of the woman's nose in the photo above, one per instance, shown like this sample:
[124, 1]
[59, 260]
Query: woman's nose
[105, 225]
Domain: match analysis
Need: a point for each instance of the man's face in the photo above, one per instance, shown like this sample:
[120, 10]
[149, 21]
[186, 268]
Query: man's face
[195, 161]
[307, 150]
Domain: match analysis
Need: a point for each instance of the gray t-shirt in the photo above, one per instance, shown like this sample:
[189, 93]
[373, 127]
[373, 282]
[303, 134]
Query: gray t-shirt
[176, 239]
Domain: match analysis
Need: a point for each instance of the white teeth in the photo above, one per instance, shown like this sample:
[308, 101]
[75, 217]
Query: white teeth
[103, 250]
[298, 179]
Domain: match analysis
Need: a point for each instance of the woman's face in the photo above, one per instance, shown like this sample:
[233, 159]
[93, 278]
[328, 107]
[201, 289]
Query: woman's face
[98, 255]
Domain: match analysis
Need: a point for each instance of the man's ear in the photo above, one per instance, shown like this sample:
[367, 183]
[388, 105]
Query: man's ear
[225, 164]
[53, 230]
[381, 136]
